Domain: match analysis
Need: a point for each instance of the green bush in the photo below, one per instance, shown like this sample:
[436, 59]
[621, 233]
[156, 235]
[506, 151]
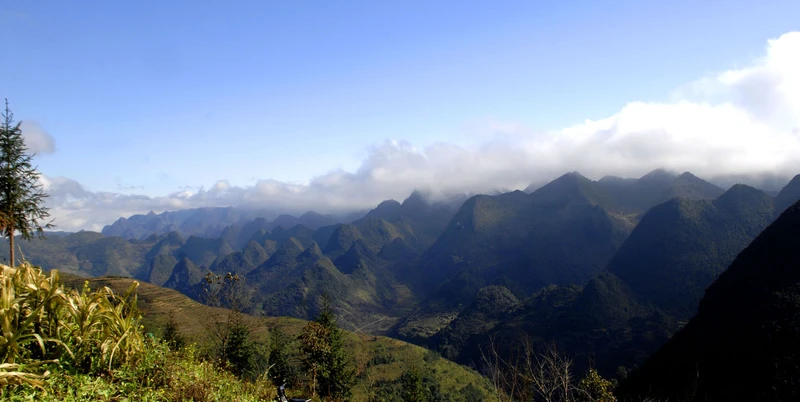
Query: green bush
[159, 375]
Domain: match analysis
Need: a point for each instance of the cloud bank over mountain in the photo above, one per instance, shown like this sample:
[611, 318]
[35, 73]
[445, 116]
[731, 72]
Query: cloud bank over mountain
[744, 121]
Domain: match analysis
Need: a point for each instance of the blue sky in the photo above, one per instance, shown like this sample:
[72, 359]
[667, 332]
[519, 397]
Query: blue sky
[150, 97]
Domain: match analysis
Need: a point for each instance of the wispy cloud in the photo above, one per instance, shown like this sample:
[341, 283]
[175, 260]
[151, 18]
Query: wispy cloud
[37, 138]
[744, 121]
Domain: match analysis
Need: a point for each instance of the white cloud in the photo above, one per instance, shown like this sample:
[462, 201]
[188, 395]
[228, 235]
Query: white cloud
[37, 139]
[744, 121]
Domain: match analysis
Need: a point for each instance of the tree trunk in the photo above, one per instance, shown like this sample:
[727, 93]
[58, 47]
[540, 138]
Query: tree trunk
[11, 244]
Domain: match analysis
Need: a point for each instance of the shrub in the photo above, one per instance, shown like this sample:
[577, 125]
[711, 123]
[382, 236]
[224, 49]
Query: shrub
[594, 388]
[171, 335]
[325, 358]
[281, 368]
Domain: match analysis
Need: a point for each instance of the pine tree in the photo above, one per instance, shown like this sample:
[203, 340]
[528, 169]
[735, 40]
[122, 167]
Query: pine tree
[413, 389]
[239, 351]
[172, 335]
[336, 376]
[21, 195]
[315, 349]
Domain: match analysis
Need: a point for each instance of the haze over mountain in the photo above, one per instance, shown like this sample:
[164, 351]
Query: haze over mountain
[211, 222]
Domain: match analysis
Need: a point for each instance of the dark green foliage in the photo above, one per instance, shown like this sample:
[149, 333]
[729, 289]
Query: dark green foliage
[418, 384]
[594, 388]
[434, 393]
[22, 209]
[171, 334]
[337, 376]
[282, 370]
[232, 338]
[413, 389]
[744, 342]
[239, 350]
[471, 394]
[159, 374]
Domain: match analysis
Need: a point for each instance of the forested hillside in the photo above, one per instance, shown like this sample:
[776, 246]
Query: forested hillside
[743, 342]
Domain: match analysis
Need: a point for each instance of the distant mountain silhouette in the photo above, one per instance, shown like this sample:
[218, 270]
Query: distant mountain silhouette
[203, 251]
[212, 222]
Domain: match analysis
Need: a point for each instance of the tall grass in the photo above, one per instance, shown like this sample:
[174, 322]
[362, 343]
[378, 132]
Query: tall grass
[42, 323]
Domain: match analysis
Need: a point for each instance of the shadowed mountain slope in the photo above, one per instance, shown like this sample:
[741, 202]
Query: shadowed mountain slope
[651, 284]
[788, 195]
[744, 342]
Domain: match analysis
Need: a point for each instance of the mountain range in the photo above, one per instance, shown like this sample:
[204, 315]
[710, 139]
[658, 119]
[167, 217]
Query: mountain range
[565, 232]
[608, 269]
[649, 287]
[212, 221]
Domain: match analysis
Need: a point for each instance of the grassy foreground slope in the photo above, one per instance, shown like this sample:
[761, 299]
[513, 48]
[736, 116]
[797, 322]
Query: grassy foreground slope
[379, 360]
